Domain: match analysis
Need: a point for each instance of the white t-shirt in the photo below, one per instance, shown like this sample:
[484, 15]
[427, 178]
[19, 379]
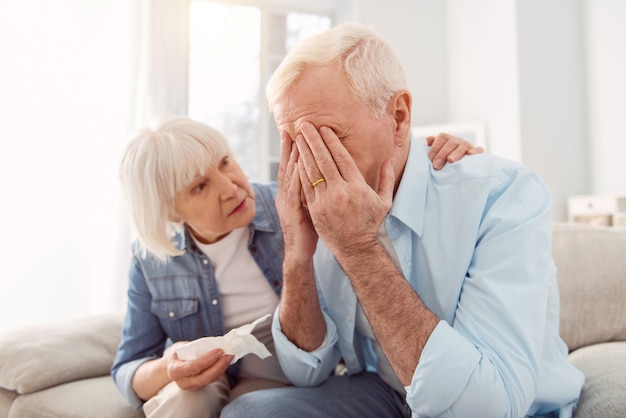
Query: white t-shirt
[246, 295]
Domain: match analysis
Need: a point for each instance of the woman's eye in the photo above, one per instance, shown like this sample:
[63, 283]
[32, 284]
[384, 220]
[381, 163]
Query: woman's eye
[225, 161]
[198, 188]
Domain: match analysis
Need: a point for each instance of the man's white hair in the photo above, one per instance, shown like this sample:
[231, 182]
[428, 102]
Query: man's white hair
[371, 65]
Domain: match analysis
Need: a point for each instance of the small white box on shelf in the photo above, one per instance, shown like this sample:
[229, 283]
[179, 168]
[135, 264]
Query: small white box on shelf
[598, 209]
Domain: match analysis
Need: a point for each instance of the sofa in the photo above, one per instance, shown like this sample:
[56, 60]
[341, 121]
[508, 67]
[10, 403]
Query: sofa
[62, 369]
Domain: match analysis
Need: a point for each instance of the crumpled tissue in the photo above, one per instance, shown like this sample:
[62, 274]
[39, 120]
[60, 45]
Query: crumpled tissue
[238, 342]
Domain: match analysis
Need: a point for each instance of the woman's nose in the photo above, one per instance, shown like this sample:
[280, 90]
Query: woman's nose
[227, 188]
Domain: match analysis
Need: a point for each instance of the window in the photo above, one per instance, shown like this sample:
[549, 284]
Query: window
[233, 51]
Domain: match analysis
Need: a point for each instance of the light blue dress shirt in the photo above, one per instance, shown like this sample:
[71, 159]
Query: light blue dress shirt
[474, 241]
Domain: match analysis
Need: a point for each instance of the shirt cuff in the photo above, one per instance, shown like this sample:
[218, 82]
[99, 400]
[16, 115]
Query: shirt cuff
[123, 379]
[302, 367]
[447, 360]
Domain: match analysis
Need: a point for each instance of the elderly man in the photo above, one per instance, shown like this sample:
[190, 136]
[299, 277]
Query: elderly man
[435, 289]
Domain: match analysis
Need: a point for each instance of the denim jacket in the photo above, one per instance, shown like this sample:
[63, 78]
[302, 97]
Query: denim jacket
[178, 300]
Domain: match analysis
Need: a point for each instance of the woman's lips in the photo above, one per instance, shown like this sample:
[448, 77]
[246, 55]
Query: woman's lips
[239, 207]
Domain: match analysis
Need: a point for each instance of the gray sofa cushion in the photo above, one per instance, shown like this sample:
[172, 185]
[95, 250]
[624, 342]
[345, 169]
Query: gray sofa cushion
[91, 398]
[591, 264]
[41, 356]
[6, 399]
[604, 392]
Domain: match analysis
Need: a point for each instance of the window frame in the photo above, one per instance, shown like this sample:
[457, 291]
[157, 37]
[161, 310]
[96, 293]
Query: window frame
[269, 60]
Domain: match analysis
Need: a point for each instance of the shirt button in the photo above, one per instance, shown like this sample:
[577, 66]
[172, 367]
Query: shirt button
[172, 314]
[205, 261]
[275, 283]
[214, 302]
[253, 249]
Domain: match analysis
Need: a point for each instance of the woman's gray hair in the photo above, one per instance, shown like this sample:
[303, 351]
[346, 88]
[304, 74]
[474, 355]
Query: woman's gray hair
[373, 68]
[160, 161]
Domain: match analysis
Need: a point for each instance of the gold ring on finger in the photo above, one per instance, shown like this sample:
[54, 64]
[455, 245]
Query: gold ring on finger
[318, 181]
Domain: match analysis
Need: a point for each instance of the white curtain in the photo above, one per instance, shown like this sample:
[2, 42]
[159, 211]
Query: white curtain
[160, 59]
[64, 118]
[77, 78]
[159, 74]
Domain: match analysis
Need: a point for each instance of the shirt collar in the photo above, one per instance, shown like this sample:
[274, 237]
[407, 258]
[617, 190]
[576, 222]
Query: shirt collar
[409, 203]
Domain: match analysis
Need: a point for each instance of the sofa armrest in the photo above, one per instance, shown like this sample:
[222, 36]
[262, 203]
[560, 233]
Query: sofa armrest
[41, 356]
[591, 263]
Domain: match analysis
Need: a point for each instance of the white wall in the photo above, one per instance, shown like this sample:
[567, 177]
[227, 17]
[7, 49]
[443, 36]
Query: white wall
[605, 22]
[415, 29]
[483, 70]
[553, 107]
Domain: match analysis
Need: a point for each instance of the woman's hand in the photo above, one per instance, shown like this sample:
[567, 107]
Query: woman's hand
[195, 374]
[448, 148]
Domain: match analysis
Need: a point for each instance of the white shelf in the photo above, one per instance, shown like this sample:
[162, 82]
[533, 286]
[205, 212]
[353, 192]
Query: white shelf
[598, 209]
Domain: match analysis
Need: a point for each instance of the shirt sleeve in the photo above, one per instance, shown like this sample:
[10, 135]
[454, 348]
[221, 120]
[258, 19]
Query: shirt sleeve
[305, 368]
[143, 338]
[123, 380]
[489, 358]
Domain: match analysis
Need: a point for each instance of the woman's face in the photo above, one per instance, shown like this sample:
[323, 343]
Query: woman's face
[216, 202]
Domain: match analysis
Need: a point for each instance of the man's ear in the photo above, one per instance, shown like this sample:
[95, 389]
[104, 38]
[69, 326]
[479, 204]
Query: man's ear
[400, 106]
